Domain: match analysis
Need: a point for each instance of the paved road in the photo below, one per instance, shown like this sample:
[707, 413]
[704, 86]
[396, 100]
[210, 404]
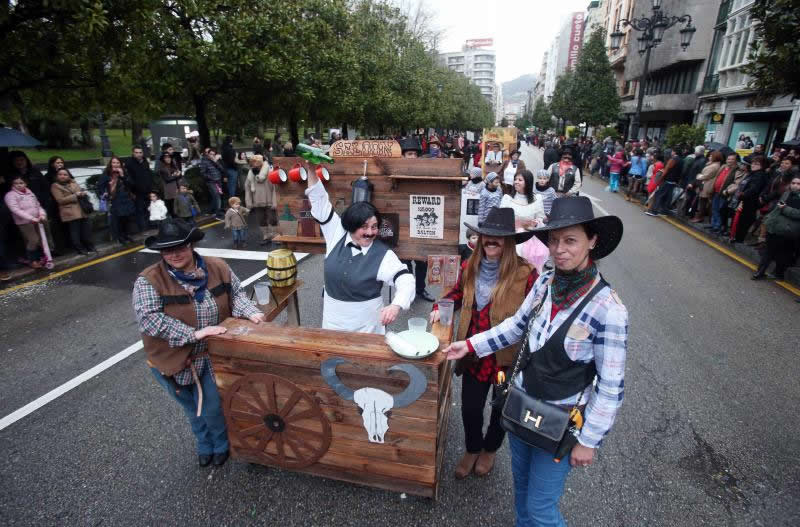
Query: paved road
[705, 436]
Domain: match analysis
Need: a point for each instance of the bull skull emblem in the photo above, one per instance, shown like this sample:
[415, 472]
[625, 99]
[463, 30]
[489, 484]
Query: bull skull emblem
[374, 404]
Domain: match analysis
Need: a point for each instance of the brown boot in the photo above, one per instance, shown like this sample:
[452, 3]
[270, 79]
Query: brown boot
[466, 465]
[485, 463]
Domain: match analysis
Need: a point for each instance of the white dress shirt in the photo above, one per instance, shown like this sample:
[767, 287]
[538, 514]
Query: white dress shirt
[361, 317]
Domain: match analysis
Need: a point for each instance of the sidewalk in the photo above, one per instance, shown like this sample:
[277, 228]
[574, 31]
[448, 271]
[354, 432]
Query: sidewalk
[72, 259]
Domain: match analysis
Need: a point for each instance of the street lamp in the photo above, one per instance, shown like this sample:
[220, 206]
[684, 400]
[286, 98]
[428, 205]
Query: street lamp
[652, 29]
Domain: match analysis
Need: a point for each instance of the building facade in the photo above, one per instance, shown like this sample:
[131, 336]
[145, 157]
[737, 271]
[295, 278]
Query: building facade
[729, 109]
[675, 77]
[595, 18]
[478, 65]
[615, 11]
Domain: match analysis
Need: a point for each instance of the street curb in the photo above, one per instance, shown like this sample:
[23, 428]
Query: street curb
[70, 260]
[751, 254]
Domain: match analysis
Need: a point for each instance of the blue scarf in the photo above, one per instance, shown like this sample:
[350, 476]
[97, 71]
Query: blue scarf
[195, 282]
[487, 279]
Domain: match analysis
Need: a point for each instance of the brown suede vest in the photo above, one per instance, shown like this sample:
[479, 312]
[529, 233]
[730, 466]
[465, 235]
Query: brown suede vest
[179, 304]
[499, 310]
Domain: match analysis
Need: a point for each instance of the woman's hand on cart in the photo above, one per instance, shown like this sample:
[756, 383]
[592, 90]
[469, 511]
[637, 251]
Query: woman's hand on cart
[207, 331]
[389, 314]
[433, 318]
[456, 350]
[257, 318]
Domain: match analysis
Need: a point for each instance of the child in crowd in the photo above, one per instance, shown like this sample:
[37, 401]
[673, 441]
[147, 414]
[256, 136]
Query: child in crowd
[466, 250]
[27, 214]
[490, 196]
[236, 222]
[544, 190]
[186, 207]
[475, 183]
[158, 210]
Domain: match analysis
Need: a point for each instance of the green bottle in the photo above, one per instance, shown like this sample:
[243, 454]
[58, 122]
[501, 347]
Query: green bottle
[313, 155]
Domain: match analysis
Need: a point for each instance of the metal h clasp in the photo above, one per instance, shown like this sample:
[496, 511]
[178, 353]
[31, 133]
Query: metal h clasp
[536, 420]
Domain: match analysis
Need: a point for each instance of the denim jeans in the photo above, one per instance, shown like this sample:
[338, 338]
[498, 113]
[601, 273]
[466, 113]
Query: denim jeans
[717, 204]
[538, 485]
[614, 182]
[216, 201]
[208, 429]
[239, 235]
[233, 180]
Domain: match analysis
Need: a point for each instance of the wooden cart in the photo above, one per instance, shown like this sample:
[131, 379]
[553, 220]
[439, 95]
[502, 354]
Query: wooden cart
[319, 401]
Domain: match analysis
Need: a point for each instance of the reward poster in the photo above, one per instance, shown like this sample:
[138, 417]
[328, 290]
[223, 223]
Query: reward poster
[426, 216]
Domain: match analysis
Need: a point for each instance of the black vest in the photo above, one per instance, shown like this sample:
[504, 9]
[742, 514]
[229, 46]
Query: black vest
[549, 373]
[351, 278]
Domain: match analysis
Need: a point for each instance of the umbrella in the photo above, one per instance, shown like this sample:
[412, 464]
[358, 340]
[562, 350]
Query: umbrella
[16, 139]
[715, 146]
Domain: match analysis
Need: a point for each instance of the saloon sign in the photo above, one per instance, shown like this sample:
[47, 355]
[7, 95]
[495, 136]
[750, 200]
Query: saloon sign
[365, 149]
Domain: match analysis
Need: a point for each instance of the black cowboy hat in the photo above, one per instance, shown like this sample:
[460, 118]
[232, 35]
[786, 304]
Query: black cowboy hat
[500, 222]
[173, 232]
[410, 143]
[570, 211]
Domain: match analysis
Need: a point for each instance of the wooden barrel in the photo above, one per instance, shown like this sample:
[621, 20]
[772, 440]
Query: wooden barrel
[281, 267]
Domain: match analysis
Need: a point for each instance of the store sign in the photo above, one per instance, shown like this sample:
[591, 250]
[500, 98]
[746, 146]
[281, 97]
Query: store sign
[717, 118]
[480, 42]
[426, 216]
[575, 41]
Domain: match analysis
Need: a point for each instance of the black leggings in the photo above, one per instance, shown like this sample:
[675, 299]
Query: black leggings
[473, 401]
[80, 234]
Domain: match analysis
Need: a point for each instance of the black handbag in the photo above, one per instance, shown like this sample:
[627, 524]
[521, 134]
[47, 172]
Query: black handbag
[85, 204]
[535, 421]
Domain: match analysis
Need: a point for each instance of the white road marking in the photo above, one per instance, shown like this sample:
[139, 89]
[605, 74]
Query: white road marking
[54, 394]
[595, 202]
[234, 254]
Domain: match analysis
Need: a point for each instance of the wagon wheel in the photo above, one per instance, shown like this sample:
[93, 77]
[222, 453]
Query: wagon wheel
[275, 420]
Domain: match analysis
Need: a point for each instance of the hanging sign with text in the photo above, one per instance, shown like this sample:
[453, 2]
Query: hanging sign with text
[365, 149]
[575, 41]
[426, 216]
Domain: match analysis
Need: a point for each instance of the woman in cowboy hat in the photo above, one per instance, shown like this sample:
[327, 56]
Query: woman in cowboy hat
[491, 287]
[578, 334]
[178, 302]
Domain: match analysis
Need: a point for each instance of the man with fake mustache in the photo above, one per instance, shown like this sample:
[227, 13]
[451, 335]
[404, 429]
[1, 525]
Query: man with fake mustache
[491, 286]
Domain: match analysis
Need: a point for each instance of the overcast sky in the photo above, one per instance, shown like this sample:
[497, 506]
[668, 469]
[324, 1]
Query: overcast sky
[522, 29]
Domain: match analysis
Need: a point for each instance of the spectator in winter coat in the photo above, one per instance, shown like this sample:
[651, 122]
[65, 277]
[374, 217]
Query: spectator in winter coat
[490, 196]
[141, 178]
[260, 197]
[170, 176]
[229, 163]
[157, 209]
[116, 186]
[615, 165]
[27, 213]
[783, 232]
[213, 174]
[747, 195]
[66, 193]
[637, 172]
[719, 200]
[186, 207]
[544, 190]
[704, 183]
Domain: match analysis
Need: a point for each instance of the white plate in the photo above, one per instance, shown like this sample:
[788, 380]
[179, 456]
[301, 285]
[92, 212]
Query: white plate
[426, 343]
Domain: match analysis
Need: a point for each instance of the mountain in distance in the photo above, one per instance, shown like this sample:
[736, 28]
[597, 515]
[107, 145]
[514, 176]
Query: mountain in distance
[516, 90]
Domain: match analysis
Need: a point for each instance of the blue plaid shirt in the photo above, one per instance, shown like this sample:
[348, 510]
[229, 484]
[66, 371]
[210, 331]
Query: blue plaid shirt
[600, 333]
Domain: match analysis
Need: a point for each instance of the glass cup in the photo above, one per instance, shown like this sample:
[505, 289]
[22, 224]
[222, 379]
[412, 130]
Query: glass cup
[262, 292]
[417, 324]
[445, 311]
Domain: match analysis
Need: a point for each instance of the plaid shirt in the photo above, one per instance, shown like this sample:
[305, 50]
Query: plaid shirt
[600, 333]
[485, 368]
[149, 311]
